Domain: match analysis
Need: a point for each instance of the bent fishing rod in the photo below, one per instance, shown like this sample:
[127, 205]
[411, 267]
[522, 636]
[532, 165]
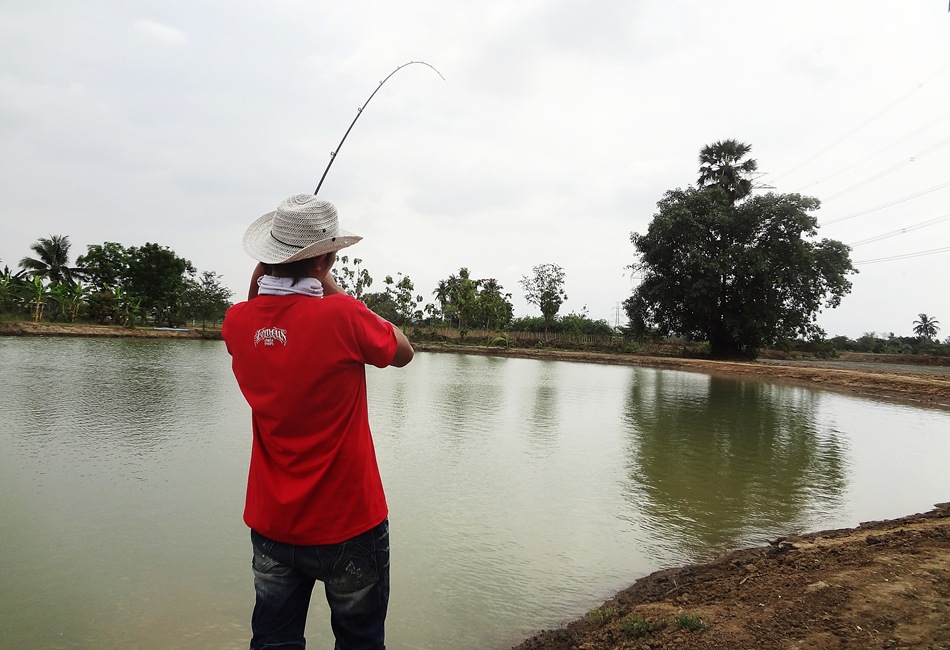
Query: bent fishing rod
[359, 112]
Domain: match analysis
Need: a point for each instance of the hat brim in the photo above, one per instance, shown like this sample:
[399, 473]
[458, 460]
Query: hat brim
[259, 244]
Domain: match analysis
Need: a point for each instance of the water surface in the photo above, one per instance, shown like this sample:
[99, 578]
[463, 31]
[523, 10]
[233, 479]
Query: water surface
[522, 492]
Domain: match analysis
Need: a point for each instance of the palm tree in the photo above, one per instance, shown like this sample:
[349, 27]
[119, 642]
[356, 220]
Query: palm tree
[926, 327]
[52, 259]
[721, 164]
[442, 293]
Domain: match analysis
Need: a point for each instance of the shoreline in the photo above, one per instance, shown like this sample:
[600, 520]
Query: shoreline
[914, 384]
[874, 379]
[882, 584]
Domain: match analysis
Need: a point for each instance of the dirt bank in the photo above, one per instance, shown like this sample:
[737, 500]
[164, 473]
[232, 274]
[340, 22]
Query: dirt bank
[918, 384]
[885, 584]
[106, 331]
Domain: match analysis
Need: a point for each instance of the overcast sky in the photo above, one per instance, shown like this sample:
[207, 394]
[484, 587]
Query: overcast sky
[558, 127]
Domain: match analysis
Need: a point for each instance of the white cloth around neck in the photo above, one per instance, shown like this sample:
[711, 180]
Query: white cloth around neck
[271, 285]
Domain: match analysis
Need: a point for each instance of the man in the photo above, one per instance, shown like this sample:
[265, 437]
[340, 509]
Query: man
[315, 501]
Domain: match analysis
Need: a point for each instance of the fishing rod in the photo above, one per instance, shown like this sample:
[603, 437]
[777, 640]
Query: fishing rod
[359, 112]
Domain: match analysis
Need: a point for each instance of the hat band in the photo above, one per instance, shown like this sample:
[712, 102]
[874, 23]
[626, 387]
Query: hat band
[285, 243]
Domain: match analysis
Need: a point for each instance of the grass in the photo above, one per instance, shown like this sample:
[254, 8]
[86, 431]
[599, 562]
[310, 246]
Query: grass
[635, 627]
[600, 616]
[690, 622]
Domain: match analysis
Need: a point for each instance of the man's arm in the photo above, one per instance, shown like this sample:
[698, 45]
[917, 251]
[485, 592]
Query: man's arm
[404, 351]
[322, 266]
[258, 272]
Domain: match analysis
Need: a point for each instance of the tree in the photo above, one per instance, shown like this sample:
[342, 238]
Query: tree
[493, 308]
[71, 296]
[52, 259]
[473, 303]
[206, 299]
[12, 288]
[458, 295]
[38, 292]
[158, 278]
[926, 327]
[104, 265]
[545, 289]
[383, 304]
[721, 164]
[737, 275]
[400, 292]
[353, 281]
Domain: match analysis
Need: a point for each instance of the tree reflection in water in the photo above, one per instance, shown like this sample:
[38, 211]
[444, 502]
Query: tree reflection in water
[715, 463]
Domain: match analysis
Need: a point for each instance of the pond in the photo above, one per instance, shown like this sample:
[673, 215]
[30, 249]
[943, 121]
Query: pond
[522, 492]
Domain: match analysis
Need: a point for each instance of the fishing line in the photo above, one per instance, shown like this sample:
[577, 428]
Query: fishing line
[359, 112]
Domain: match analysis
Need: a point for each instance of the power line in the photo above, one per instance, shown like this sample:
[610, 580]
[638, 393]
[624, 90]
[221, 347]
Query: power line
[886, 205]
[893, 233]
[847, 135]
[875, 154]
[890, 170]
[863, 124]
[905, 256]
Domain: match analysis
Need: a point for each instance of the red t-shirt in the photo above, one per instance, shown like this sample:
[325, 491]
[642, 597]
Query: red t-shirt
[300, 362]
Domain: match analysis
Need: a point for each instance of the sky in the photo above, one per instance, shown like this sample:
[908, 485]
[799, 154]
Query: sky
[558, 126]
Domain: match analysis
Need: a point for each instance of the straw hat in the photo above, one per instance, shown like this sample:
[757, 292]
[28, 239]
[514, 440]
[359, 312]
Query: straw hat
[302, 226]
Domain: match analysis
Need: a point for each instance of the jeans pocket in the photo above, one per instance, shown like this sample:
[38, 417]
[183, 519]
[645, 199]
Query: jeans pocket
[262, 562]
[355, 566]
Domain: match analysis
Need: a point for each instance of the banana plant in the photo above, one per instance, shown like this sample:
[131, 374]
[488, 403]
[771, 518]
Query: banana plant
[38, 292]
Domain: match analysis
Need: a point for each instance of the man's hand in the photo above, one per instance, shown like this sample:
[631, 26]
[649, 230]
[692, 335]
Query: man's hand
[321, 270]
[330, 287]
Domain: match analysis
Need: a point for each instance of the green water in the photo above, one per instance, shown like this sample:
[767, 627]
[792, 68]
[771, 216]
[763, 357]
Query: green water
[522, 493]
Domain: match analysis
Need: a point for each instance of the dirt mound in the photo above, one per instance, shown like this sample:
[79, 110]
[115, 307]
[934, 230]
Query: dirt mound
[884, 584]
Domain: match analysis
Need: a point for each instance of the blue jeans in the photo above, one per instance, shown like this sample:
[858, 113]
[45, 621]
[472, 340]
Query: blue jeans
[355, 575]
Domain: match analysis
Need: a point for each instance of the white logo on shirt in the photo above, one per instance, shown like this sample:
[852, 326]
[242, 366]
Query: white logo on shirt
[270, 334]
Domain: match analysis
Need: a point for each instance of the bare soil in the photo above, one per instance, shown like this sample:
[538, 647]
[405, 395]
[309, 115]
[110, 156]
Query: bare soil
[884, 584]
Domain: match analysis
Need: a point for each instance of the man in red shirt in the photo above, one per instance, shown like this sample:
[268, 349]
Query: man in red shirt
[315, 502]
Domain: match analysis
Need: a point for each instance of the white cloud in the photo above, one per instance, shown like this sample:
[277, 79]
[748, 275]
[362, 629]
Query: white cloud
[165, 34]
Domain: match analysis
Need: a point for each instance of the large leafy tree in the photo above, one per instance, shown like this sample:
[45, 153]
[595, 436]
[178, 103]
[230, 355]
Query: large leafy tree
[545, 289]
[104, 265]
[158, 278]
[206, 298]
[926, 327]
[724, 164]
[52, 259]
[737, 275]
